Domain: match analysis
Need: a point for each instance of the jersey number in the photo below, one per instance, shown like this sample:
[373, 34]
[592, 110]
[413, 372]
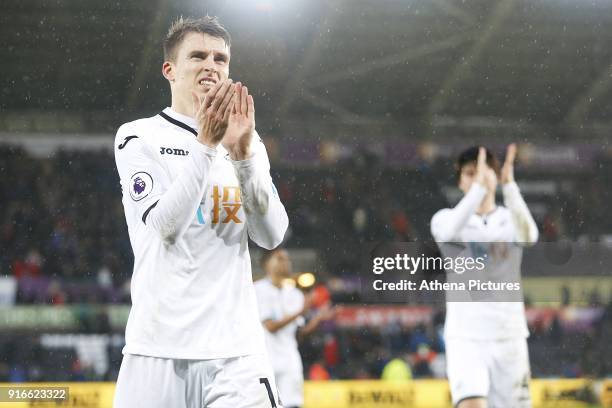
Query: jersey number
[265, 382]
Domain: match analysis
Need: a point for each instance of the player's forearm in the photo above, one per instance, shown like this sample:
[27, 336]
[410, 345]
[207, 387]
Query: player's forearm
[527, 230]
[268, 229]
[175, 210]
[267, 219]
[310, 327]
[447, 229]
[275, 325]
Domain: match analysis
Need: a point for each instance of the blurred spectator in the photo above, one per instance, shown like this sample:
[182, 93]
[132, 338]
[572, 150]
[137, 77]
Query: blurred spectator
[55, 294]
[421, 360]
[401, 225]
[318, 372]
[104, 277]
[29, 267]
[397, 370]
[330, 352]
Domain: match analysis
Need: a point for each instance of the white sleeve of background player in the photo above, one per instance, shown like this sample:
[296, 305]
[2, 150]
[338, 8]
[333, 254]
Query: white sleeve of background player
[300, 321]
[446, 224]
[527, 230]
[267, 219]
[166, 206]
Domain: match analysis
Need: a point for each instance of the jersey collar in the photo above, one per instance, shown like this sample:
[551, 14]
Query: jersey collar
[180, 120]
[273, 286]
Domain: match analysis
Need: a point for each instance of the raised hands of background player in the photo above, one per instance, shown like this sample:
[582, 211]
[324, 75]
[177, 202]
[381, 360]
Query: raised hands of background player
[507, 170]
[326, 312]
[485, 174]
[308, 302]
[212, 113]
[241, 124]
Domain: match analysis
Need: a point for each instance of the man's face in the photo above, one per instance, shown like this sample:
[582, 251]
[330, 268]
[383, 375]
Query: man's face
[201, 61]
[466, 177]
[279, 265]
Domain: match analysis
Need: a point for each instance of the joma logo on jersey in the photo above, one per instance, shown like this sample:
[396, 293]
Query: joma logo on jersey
[176, 152]
[227, 199]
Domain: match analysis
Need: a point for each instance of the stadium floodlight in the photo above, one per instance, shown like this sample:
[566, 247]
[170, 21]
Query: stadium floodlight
[306, 279]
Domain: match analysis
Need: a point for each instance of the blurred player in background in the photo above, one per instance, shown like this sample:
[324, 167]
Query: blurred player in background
[196, 185]
[487, 358]
[281, 310]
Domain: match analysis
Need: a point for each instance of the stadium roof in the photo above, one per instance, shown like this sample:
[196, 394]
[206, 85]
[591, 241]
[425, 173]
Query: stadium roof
[78, 65]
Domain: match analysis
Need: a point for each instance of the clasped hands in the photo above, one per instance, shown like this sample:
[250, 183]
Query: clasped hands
[226, 115]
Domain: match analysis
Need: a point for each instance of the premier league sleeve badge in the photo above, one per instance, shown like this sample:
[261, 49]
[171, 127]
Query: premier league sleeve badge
[140, 185]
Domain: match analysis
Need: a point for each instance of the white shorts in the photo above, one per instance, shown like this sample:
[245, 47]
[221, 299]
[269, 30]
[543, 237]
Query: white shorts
[497, 370]
[151, 382]
[291, 388]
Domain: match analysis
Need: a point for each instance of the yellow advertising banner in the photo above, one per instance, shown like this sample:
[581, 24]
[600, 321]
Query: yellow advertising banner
[557, 393]
[374, 393]
[606, 394]
[549, 393]
[79, 395]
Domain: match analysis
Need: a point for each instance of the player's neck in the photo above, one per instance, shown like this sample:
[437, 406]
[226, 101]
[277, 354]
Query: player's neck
[487, 205]
[182, 108]
[276, 281]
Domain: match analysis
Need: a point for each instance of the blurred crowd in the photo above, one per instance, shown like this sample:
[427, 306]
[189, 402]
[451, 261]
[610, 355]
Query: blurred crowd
[64, 238]
[397, 351]
[392, 352]
[63, 233]
[62, 230]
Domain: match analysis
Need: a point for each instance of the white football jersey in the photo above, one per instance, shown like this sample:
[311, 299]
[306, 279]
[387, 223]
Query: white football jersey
[274, 304]
[510, 224]
[190, 211]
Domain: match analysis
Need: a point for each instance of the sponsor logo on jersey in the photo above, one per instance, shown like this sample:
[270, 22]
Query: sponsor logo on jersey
[228, 199]
[173, 151]
[126, 141]
[140, 185]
